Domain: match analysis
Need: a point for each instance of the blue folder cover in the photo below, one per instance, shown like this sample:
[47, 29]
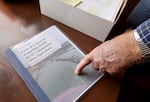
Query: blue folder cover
[50, 77]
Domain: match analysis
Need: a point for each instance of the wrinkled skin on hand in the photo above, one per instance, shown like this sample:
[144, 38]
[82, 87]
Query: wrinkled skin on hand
[113, 56]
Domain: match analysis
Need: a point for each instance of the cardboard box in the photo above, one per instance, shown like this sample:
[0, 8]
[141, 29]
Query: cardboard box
[78, 19]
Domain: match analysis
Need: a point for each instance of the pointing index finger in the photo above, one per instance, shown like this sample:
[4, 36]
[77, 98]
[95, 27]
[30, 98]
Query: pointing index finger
[83, 63]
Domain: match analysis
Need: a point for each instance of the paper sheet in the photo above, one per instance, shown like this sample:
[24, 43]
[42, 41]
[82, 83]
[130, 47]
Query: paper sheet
[72, 2]
[106, 9]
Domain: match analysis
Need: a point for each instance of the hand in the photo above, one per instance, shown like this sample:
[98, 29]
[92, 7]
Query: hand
[113, 56]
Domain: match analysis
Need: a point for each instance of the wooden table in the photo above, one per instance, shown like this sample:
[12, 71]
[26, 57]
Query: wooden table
[22, 19]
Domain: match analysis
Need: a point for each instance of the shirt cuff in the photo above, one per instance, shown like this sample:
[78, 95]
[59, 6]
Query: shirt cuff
[143, 31]
[144, 48]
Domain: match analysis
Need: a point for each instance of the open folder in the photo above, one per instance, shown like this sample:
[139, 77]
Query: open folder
[46, 63]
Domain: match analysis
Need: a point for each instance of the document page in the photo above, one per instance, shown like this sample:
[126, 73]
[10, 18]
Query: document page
[51, 58]
[55, 74]
[106, 9]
